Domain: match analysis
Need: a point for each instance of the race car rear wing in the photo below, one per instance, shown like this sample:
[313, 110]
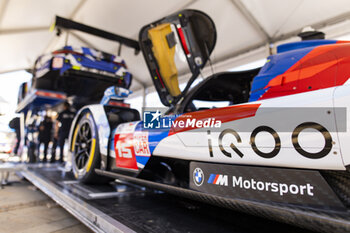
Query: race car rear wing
[63, 23]
[177, 44]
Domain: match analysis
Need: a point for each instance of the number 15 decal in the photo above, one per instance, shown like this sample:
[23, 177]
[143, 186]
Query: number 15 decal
[124, 151]
[294, 138]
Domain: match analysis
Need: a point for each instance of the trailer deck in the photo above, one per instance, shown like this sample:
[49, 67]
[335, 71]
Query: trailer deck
[125, 207]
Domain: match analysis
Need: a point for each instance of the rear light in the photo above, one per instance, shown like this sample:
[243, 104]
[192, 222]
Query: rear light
[57, 62]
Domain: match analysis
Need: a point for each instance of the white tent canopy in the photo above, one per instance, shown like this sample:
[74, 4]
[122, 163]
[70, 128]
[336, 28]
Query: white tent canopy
[245, 28]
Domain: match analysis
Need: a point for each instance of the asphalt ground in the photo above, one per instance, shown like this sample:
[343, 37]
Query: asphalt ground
[24, 208]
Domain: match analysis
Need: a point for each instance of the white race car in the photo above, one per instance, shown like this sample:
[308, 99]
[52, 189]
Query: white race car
[279, 148]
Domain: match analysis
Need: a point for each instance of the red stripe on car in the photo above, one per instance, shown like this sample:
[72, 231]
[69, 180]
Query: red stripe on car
[226, 114]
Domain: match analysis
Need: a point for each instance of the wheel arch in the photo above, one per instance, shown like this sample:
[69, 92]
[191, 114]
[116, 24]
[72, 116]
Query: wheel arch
[103, 129]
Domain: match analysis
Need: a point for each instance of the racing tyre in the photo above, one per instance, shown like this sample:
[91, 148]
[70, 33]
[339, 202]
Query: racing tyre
[85, 151]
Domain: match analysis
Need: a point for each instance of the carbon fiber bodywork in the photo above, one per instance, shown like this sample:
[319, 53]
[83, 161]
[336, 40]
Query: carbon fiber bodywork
[340, 183]
[321, 221]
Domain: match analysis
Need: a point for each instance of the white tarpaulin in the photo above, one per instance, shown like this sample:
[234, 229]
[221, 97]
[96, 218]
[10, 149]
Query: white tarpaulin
[245, 28]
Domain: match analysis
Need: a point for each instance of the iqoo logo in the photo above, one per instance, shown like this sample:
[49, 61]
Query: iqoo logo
[294, 138]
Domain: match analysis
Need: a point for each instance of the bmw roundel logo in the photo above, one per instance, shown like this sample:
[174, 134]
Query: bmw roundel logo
[198, 176]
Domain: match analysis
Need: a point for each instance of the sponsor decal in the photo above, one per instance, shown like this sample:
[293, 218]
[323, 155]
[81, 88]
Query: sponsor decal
[234, 147]
[218, 179]
[124, 151]
[268, 186]
[131, 147]
[198, 176]
[141, 143]
[304, 188]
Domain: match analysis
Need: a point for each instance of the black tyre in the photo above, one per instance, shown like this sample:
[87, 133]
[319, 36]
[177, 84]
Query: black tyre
[85, 151]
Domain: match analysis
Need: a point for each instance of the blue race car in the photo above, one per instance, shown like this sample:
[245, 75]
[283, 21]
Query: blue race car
[81, 72]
